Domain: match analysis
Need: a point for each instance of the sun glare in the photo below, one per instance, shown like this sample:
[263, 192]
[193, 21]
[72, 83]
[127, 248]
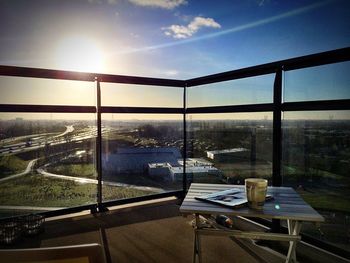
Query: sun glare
[79, 54]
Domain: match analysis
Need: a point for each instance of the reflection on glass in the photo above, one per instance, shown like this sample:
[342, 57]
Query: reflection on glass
[315, 161]
[141, 95]
[141, 155]
[232, 146]
[251, 90]
[46, 162]
[329, 82]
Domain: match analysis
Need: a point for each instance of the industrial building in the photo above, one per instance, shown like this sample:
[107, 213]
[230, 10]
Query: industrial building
[195, 167]
[229, 154]
[136, 160]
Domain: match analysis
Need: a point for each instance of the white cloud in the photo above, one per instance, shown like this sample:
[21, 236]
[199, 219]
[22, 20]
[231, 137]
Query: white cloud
[178, 31]
[111, 2]
[263, 2]
[166, 4]
[171, 72]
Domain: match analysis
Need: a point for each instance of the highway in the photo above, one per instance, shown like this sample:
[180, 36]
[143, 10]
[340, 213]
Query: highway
[41, 141]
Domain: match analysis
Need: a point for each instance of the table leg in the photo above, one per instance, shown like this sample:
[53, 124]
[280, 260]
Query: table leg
[194, 246]
[196, 242]
[293, 229]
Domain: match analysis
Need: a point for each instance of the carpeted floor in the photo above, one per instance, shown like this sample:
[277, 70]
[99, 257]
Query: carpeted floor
[143, 234]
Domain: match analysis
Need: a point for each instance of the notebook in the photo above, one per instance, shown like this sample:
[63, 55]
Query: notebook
[234, 197]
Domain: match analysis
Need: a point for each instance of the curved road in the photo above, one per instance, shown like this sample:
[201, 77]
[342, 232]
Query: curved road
[69, 129]
[78, 179]
[94, 181]
[26, 171]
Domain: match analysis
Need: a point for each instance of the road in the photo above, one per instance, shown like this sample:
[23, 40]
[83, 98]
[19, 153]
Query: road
[26, 171]
[69, 129]
[35, 142]
[41, 142]
[94, 181]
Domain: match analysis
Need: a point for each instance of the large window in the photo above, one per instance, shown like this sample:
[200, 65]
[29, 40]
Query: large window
[328, 82]
[232, 146]
[46, 162]
[132, 95]
[36, 91]
[50, 161]
[315, 147]
[315, 161]
[251, 90]
[142, 154]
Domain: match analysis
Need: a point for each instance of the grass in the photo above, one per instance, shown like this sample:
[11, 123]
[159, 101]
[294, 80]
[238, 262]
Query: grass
[11, 164]
[297, 173]
[244, 169]
[113, 193]
[141, 180]
[36, 190]
[321, 189]
[324, 200]
[208, 179]
[77, 170]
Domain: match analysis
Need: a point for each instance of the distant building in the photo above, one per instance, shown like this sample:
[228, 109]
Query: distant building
[159, 169]
[136, 160]
[229, 154]
[163, 162]
[174, 172]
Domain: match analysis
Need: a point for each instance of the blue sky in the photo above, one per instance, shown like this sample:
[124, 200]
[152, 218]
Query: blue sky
[177, 39]
[172, 38]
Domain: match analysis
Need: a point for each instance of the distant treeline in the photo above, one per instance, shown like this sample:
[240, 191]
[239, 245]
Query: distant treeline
[22, 128]
[158, 132]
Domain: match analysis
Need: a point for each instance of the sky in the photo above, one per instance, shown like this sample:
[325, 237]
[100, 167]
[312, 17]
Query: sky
[177, 39]
[168, 38]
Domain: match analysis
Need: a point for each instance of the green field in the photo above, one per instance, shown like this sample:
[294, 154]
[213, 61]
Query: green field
[77, 170]
[327, 200]
[244, 169]
[11, 164]
[36, 190]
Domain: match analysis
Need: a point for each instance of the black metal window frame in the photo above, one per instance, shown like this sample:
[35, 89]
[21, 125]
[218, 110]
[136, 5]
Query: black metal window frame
[277, 107]
[98, 109]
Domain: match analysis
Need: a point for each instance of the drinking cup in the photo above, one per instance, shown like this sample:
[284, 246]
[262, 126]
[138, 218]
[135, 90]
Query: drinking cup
[255, 189]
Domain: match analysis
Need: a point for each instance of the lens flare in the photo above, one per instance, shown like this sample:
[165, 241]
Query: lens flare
[79, 54]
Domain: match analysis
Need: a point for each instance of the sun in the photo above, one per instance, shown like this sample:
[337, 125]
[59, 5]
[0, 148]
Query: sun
[79, 53]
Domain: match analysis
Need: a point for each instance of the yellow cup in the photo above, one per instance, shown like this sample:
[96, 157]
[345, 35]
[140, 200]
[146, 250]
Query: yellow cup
[255, 189]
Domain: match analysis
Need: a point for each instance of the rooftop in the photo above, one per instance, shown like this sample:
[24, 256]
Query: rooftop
[233, 150]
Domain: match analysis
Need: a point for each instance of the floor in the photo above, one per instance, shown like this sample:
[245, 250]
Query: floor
[151, 233]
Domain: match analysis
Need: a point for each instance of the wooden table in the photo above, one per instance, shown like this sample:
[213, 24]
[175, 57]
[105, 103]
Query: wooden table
[286, 205]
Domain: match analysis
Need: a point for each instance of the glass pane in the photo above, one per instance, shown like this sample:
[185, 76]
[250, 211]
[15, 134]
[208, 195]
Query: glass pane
[329, 82]
[141, 95]
[16, 90]
[232, 146]
[316, 154]
[46, 162]
[142, 154]
[252, 90]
